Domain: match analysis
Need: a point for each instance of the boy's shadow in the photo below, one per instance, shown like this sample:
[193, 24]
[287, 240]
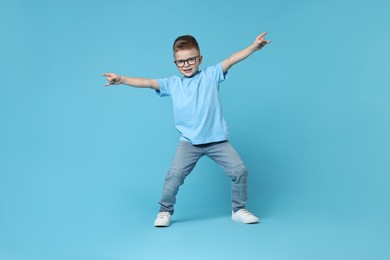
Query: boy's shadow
[200, 216]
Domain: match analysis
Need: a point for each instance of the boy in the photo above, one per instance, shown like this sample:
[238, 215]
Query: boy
[200, 122]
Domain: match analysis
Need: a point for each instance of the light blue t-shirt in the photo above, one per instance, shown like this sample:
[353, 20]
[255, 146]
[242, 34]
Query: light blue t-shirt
[196, 105]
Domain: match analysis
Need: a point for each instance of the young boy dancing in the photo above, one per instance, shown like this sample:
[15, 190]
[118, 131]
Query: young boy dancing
[200, 122]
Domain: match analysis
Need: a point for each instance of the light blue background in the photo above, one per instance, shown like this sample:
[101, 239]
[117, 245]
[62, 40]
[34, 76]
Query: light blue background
[82, 166]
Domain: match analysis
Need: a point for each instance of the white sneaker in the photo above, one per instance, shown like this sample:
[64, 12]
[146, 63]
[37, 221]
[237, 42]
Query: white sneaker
[163, 219]
[244, 216]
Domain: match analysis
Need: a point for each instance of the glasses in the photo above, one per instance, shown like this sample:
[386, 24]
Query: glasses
[190, 61]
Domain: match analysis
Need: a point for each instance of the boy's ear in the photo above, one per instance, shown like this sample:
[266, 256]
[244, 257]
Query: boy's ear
[200, 59]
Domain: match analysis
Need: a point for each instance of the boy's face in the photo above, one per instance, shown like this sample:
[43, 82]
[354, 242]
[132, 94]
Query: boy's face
[188, 61]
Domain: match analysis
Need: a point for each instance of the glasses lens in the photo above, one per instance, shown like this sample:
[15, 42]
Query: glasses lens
[180, 63]
[191, 61]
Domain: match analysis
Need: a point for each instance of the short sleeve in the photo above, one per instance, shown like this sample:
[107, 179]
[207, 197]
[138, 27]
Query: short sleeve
[163, 85]
[216, 72]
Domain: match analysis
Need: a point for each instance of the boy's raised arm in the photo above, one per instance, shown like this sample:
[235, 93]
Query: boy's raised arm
[114, 79]
[259, 43]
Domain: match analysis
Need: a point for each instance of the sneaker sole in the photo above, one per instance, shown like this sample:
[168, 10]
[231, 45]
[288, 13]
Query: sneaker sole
[161, 225]
[245, 222]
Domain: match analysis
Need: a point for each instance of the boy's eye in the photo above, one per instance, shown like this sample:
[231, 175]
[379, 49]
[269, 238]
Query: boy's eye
[191, 59]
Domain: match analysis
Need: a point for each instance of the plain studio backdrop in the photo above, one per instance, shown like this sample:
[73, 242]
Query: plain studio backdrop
[82, 166]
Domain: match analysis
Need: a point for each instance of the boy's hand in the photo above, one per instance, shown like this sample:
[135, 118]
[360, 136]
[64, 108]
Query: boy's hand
[260, 41]
[113, 79]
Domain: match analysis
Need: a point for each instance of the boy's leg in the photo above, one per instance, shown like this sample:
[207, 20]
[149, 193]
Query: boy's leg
[226, 156]
[185, 159]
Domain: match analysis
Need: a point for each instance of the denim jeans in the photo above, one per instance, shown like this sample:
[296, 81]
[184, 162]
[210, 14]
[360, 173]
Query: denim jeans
[185, 159]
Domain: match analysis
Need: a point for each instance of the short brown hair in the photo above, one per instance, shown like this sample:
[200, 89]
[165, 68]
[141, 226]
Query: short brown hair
[185, 42]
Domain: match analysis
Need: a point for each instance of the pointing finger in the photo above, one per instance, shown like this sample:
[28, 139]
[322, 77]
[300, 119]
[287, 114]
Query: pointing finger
[262, 35]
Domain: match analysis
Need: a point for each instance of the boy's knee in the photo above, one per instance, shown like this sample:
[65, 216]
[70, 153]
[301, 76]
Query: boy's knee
[239, 171]
[175, 176]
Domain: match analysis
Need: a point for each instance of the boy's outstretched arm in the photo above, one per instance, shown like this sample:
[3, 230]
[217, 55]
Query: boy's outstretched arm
[114, 79]
[259, 43]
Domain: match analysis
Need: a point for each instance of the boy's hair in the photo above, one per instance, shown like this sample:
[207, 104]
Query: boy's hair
[185, 42]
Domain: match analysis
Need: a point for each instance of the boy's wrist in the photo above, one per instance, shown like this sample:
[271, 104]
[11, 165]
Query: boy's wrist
[254, 47]
[120, 79]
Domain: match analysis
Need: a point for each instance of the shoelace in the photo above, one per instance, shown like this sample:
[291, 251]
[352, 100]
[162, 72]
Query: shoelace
[163, 215]
[244, 211]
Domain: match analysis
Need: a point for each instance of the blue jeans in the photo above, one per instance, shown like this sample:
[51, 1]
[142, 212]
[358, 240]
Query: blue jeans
[185, 159]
